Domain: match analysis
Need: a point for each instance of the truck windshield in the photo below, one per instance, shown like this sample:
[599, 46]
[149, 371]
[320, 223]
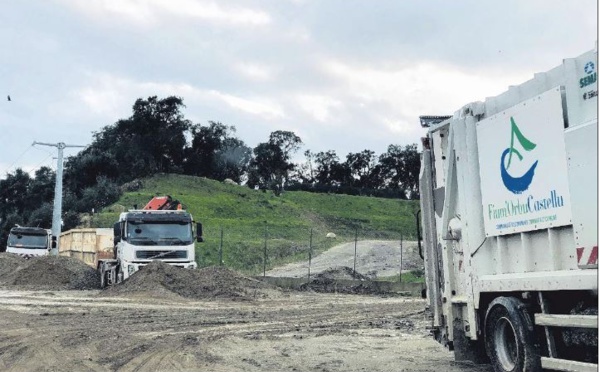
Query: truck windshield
[159, 233]
[28, 241]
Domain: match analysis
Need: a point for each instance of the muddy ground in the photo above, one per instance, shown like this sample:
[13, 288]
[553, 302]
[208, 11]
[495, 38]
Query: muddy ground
[214, 319]
[288, 331]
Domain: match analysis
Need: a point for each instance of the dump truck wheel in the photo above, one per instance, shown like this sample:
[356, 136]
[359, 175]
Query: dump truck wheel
[509, 338]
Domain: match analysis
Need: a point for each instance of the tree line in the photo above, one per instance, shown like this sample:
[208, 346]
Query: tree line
[157, 138]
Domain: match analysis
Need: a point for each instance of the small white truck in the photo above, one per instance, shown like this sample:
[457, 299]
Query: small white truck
[29, 241]
[510, 229]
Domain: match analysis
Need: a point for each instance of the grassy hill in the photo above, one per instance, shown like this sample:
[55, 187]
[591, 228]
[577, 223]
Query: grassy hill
[240, 222]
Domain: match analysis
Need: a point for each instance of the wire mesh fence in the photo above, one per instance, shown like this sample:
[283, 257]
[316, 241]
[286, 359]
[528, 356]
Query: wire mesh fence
[258, 248]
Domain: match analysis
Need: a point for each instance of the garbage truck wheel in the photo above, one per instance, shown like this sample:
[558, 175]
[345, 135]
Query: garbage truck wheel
[509, 338]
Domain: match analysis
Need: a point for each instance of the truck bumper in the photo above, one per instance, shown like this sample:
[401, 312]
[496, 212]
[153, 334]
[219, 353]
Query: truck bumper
[131, 267]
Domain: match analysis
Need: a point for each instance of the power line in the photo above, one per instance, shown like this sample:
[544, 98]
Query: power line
[50, 154]
[42, 162]
[18, 158]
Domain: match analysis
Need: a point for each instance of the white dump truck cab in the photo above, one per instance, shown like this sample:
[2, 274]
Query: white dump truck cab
[143, 236]
[29, 241]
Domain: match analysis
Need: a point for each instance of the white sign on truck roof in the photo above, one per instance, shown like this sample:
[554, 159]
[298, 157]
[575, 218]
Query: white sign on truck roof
[523, 165]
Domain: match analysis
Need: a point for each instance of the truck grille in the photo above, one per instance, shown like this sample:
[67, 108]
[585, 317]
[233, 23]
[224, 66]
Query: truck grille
[164, 254]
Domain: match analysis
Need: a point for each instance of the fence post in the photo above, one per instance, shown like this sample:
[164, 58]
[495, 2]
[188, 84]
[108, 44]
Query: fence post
[310, 252]
[221, 249]
[265, 253]
[355, 243]
[400, 258]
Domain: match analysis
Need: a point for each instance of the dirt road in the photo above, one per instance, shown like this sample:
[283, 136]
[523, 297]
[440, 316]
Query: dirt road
[374, 258]
[286, 331]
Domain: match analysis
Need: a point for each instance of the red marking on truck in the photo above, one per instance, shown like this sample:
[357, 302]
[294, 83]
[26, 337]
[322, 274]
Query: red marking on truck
[593, 260]
[579, 253]
[587, 257]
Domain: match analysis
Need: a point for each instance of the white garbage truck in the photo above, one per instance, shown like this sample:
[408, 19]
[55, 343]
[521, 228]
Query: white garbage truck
[29, 241]
[510, 229]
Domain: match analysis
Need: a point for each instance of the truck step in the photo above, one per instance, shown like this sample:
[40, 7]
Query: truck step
[578, 321]
[568, 365]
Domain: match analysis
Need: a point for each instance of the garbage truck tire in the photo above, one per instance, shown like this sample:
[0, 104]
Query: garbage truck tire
[509, 337]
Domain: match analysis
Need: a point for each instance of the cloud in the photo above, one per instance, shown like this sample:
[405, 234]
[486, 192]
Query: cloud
[256, 106]
[418, 89]
[150, 12]
[254, 71]
[109, 95]
[320, 107]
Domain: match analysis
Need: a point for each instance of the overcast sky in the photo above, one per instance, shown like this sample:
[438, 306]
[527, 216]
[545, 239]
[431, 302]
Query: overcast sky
[344, 75]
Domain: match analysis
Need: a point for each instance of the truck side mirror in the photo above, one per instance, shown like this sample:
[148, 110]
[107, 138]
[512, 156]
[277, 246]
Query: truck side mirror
[53, 242]
[199, 237]
[116, 232]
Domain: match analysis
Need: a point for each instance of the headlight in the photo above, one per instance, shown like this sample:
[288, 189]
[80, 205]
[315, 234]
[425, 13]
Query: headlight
[130, 269]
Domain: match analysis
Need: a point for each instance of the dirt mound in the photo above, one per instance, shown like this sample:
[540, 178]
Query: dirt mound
[159, 278]
[50, 272]
[341, 272]
[335, 280]
[9, 262]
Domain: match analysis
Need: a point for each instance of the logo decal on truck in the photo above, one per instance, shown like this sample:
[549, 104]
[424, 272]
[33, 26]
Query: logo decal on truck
[590, 71]
[516, 185]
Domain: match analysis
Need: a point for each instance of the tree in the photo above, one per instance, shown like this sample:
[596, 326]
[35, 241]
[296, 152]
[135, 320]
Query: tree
[287, 141]
[161, 128]
[304, 174]
[412, 167]
[152, 140]
[267, 168]
[104, 193]
[42, 216]
[41, 188]
[14, 194]
[362, 165]
[271, 166]
[232, 160]
[215, 153]
[400, 169]
[83, 170]
[327, 163]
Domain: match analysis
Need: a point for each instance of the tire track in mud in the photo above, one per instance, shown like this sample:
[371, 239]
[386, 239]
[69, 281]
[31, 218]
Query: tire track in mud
[68, 331]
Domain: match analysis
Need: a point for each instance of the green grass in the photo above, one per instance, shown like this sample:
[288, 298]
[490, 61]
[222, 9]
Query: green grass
[246, 217]
[415, 276]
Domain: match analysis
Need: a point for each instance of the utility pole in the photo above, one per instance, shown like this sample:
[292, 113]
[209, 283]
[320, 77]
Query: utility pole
[57, 211]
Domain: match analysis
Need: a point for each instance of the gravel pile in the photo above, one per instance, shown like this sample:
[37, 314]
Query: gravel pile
[161, 279]
[332, 281]
[48, 273]
[341, 272]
